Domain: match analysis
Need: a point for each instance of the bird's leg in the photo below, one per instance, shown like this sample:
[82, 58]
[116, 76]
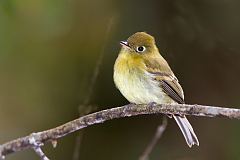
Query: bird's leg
[151, 104]
[127, 108]
[131, 105]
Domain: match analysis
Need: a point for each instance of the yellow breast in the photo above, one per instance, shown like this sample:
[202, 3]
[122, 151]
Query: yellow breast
[136, 85]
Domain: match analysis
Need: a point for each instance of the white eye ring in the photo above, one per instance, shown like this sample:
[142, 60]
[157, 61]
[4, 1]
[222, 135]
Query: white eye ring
[141, 49]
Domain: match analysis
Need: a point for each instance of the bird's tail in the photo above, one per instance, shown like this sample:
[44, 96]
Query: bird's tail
[187, 130]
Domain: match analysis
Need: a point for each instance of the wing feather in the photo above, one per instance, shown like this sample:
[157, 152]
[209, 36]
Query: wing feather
[173, 90]
[166, 79]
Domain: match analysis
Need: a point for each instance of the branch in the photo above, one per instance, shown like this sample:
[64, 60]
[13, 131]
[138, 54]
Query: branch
[160, 129]
[129, 110]
[85, 107]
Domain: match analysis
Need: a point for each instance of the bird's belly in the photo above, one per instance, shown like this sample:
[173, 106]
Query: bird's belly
[139, 89]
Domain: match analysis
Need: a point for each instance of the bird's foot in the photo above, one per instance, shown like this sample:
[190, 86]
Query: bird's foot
[131, 105]
[127, 108]
[152, 104]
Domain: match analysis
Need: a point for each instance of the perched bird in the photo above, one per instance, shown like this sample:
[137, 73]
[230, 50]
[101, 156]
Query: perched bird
[143, 76]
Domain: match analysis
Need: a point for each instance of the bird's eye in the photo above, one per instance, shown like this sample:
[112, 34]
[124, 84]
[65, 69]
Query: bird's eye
[141, 49]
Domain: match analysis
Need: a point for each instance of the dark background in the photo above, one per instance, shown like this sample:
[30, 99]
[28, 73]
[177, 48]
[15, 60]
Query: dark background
[49, 49]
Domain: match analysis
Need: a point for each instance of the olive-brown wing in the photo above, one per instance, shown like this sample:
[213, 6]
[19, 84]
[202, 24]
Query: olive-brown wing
[173, 89]
[161, 72]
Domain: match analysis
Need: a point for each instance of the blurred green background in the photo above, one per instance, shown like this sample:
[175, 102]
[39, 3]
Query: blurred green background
[49, 49]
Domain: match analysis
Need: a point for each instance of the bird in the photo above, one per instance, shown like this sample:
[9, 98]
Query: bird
[143, 76]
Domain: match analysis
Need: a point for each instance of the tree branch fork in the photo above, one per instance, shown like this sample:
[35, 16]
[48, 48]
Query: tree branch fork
[36, 140]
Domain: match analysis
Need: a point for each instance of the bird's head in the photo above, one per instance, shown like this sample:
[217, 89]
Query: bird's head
[139, 43]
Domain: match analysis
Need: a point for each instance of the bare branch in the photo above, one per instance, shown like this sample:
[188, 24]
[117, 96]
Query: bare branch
[78, 142]
[96, 70]
[85, 107]
[113, 113]
[161, 128]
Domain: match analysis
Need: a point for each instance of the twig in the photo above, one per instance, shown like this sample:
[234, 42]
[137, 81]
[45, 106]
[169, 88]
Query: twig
[91, 88]
[36, 145]
[113, 113]
[78, 141]
[161, 128]
[98, 64]
[77, 146]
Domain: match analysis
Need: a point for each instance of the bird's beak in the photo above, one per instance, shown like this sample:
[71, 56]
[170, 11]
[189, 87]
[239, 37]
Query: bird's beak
[124, 43]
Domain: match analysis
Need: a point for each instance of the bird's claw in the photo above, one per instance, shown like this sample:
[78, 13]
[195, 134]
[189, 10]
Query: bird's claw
[152, 104]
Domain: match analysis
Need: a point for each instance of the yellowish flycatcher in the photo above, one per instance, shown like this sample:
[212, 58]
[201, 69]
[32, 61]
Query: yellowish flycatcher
[143, 76]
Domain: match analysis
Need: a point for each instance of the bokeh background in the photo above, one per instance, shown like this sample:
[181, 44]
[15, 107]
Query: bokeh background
[49, 50]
